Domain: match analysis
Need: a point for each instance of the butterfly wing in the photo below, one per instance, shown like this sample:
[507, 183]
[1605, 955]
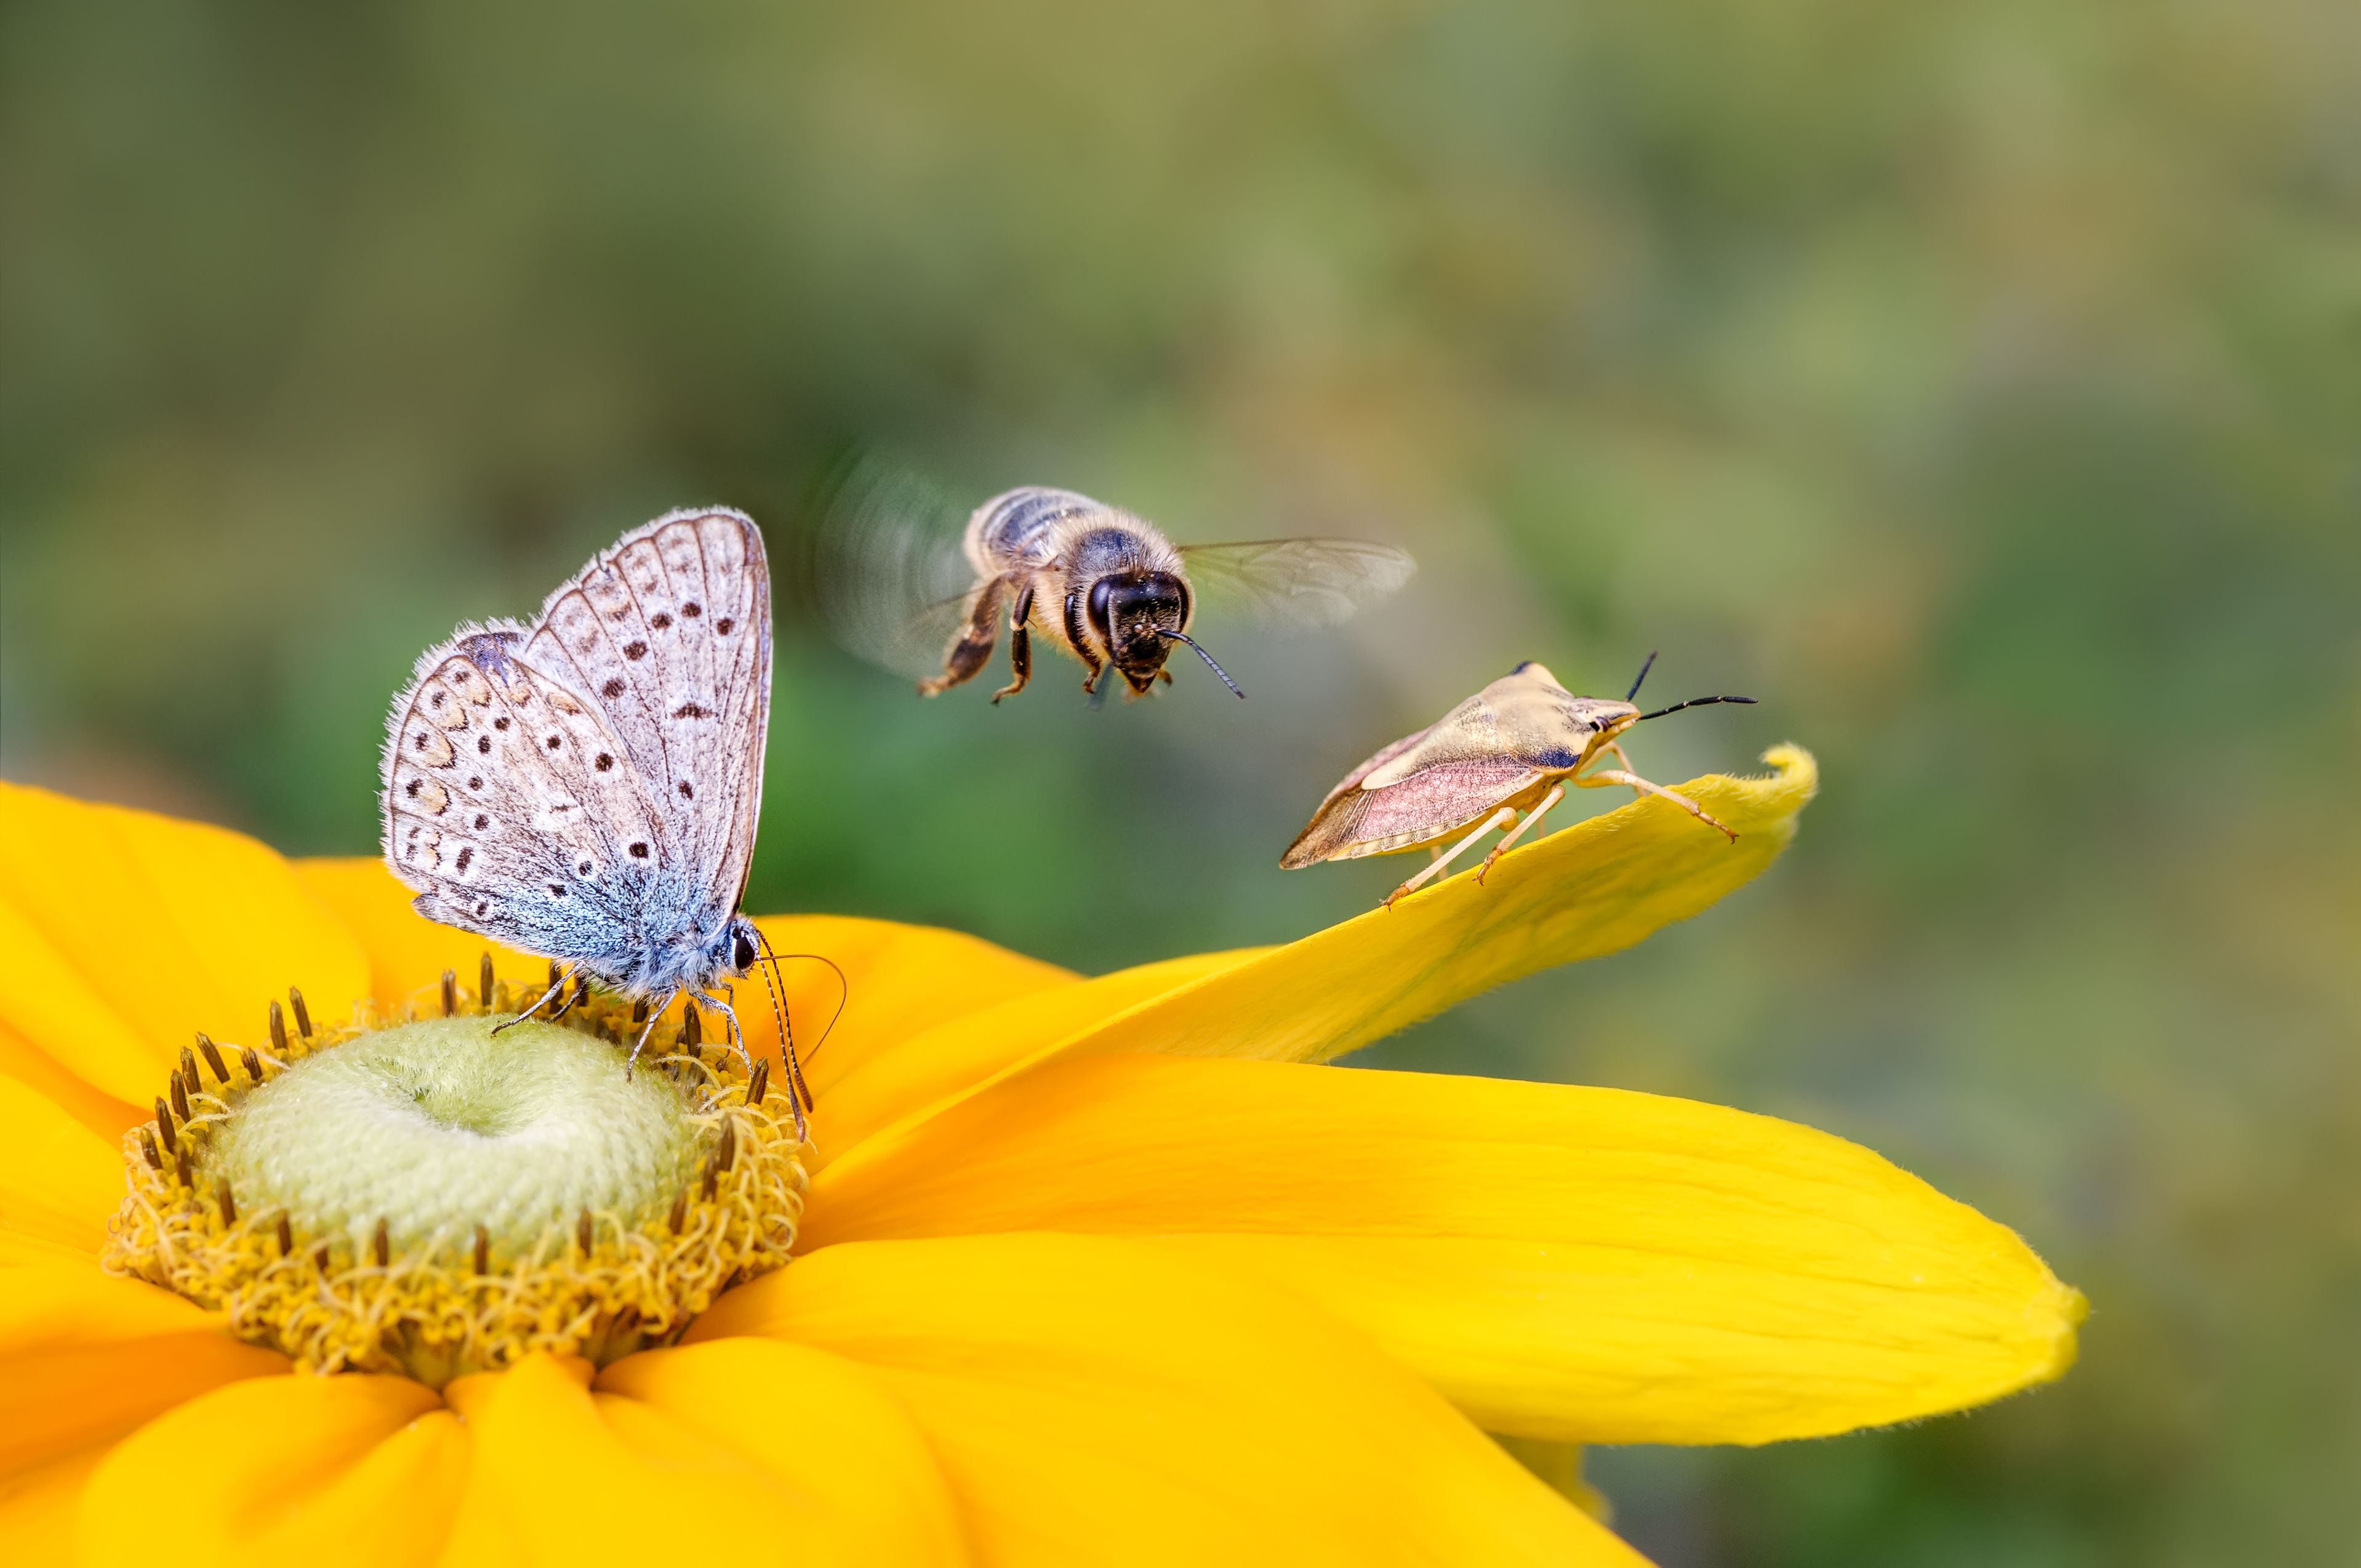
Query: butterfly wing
[1297, 582]
[509, 803]
[619, 798]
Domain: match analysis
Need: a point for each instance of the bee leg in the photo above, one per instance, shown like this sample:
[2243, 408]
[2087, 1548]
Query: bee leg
[1164, 675]
[968, 655]
[1509, 839]
[1499, 818]
[1606, 776]
[1091, 682]
[1020, 646]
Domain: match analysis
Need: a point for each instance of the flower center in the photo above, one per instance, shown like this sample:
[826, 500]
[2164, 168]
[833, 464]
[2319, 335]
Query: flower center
[435, 1198]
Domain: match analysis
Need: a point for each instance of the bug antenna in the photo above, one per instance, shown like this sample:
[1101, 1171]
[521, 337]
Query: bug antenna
[1163, 631]
[1693, 702]
[1647, 665]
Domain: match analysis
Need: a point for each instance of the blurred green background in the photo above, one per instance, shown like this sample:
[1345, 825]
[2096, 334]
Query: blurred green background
[1979, 385]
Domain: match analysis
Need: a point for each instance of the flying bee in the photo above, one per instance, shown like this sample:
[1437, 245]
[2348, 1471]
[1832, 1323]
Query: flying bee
[1100, 584]
[1512, 748]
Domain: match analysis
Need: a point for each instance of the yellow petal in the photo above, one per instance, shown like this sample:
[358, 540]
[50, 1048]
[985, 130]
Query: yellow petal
[902, 980]
[855, 1470]
[70, 1093]
[38, 1506]
[943, 1061]
[84, 1358]
[407, 952]
[362, 1472]
[1594, 888]
[1577, 1263]
[1104, 1401]
[124, 931]
[58, 1181]
[771, 1470]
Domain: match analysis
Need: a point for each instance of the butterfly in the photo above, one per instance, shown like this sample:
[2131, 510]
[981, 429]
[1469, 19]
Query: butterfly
[586, 786]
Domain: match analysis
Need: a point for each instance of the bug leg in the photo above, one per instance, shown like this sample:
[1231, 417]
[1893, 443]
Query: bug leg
[1509, 839]
[1499, 818]
[1020, 646]
[967, 655]
[1606, 776]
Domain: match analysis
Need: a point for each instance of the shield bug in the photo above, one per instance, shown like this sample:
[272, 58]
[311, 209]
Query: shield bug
[1502, 759]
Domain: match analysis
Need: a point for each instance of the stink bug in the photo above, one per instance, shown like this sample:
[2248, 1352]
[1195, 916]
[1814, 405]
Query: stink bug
[1512, 748]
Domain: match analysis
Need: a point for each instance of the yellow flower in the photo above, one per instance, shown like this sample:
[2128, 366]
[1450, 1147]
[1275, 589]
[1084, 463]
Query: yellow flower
[1091, 1270]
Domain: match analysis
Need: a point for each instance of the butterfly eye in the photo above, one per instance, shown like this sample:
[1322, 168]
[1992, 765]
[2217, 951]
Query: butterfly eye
[741, 951]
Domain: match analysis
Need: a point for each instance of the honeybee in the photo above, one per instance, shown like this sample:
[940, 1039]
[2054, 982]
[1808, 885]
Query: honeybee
[1100, 584]
[1507, 752]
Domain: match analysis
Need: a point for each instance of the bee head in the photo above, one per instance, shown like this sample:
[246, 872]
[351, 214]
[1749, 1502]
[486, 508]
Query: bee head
[1138, 616]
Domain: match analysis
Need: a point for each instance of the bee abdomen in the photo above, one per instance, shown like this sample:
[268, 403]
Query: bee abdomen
[1020, 527]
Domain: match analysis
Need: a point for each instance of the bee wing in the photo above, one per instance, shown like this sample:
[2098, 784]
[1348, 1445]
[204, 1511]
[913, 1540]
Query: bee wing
[887, 568]
[1297, 582]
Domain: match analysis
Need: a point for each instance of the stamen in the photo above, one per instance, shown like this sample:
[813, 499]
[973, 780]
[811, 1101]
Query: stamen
[302, 1013]
[692, 1028]
[484, 982]
[450, 993]
[277, 1031]
[210, 1212]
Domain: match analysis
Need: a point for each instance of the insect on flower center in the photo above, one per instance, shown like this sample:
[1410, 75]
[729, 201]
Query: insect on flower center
[435, 1198]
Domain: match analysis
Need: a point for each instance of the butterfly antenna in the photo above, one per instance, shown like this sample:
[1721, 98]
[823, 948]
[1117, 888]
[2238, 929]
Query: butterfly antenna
[1693, 702]
[1163, 631]
[1648, 664]
[844, 994]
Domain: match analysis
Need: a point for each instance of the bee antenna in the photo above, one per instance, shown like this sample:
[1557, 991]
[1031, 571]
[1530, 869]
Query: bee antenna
[1693, 702]
[1163, 631]
[1644, 668]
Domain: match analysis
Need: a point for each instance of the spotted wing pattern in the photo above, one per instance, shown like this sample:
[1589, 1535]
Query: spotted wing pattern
[586, 786]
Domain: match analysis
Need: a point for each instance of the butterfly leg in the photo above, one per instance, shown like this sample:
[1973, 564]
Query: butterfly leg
[1606, 776]
[556, 989]
[738, 1039]
[973, 646]
[1020, 645]
[655, 1015]
[1499, 818]
[1509, 839]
